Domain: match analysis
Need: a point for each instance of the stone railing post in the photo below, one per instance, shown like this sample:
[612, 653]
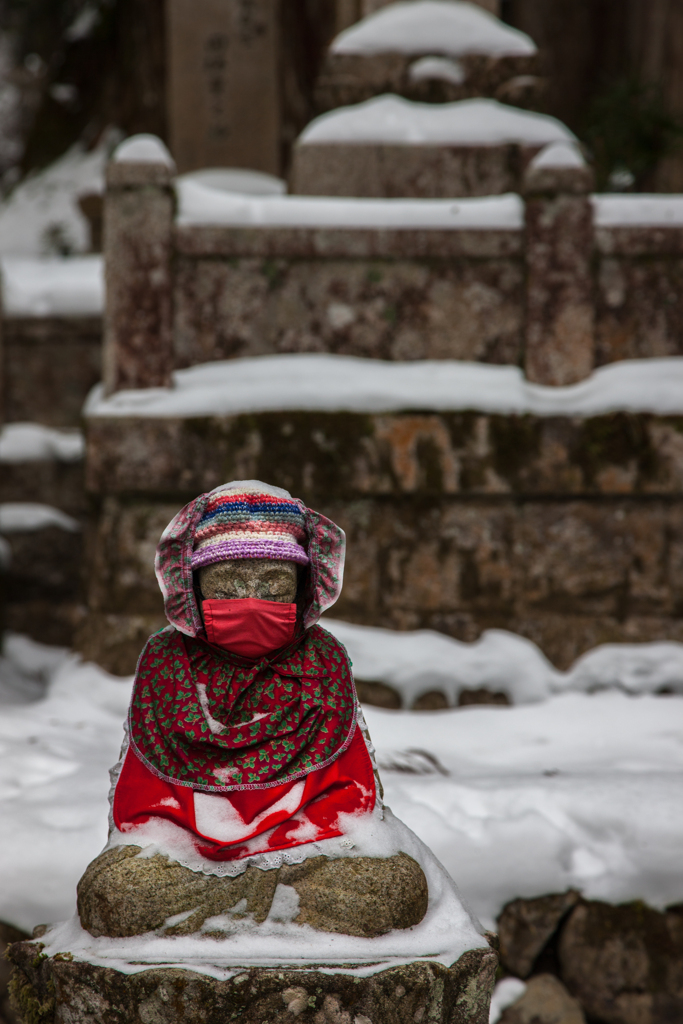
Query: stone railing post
[138, 227]
[560, 308]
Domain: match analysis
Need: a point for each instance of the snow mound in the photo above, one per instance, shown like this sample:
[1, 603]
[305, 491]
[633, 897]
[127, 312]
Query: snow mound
[23, 516]
[433, 26]
[578, 791]
[348, 383]
[441, 69]
[416, 662]
[33, 442]
[236, 179]
[200, 204]
[45, 286]
[26, 667]
[54, 781]
[41, 215]
[559, 154]
[143, 149]
[393, 120]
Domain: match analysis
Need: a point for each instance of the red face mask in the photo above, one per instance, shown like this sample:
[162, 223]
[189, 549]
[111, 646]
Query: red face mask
[248, 626]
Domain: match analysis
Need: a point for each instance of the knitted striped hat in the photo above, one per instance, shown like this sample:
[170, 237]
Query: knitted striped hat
[250, 521]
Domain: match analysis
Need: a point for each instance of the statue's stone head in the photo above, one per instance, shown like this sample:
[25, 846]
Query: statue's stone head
[250, 542]
[265, 578]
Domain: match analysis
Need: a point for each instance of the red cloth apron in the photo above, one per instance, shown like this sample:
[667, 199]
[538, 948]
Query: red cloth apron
[222, 824]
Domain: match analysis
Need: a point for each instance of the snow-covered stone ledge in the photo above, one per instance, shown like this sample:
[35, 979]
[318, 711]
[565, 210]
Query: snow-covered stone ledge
[328, 383]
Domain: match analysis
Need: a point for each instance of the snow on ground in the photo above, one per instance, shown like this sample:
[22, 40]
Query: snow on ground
[52, 286]
[393, 120]
[54, 758]
[199, 203]
[433, 26]
[347, 383]
[34, 442]
[579, 789]
[41, 215]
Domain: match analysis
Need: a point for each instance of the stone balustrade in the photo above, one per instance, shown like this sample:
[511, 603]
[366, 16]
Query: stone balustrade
[558, 289]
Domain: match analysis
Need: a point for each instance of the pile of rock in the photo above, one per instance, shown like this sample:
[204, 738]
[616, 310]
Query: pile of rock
[613, 964]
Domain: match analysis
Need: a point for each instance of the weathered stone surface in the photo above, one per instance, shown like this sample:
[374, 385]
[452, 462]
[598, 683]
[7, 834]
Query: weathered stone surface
[639, 307]
[412, 171]
[382, 696]
[223, 78]
[399, 309]
[138, 212]
[433, 700]
[567, 574]
[401, 995]
[115, 641]
[42, 587]
[49, 364]
[378, 694]
[351, 78]
[483, 696]
[121, 894]
[8, 934]
[328, 456]
[546, 1001]
[560, 309]
[358, 895]
[624, 963]
[46, 481]
[275, 242]
[264, 578]
[527, 925]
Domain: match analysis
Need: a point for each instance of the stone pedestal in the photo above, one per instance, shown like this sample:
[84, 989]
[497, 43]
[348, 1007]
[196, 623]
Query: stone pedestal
[138, 216]
[560, 306]
[59, 989]
[223, 87]
[386, 171]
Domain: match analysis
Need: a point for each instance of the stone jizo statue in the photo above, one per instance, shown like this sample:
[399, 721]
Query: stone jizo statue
[246, 747]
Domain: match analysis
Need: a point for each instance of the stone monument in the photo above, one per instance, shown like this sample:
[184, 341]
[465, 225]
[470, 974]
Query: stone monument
[252, 872]
[223, 92]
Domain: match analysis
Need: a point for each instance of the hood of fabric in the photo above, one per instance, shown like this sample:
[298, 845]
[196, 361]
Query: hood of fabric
[325, 547]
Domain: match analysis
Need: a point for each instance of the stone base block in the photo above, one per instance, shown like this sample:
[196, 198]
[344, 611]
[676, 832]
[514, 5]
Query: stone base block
[48, 990]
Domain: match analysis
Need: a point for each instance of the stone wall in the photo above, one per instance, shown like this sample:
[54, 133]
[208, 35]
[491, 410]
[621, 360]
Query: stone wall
[566, 531]
[557, 295]
[429, 294]
[430, 308]
[48, 366]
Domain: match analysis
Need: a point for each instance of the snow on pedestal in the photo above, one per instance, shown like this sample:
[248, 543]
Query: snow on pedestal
[390, 146]
[433, 26]
[462, 50]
